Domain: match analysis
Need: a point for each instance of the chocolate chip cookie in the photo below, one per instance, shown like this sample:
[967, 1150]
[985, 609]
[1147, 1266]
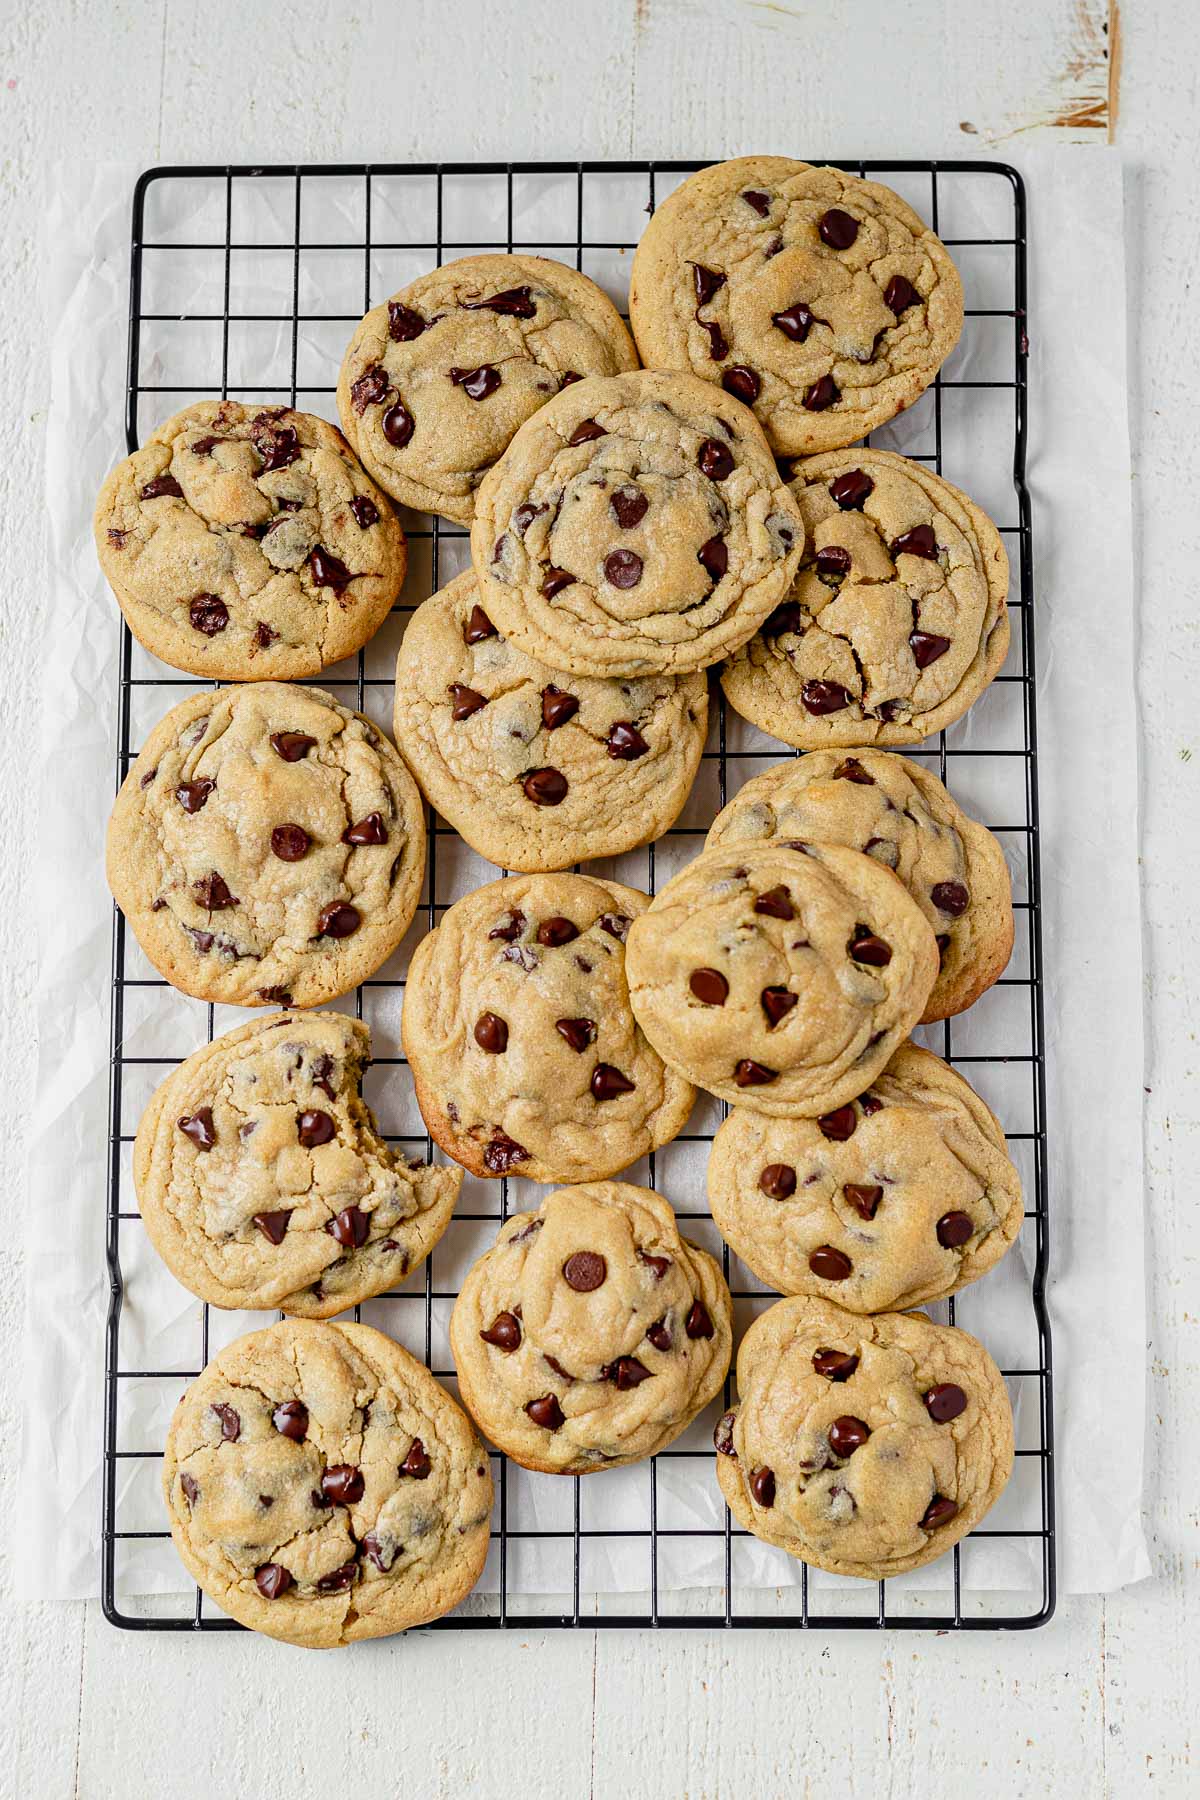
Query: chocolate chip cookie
[898, 812]
[897, 619]
[821, 300]
[896, 1199]
[863, 1446]
[590, 1334]
[267, 846]
[247, 544]
[635, 526]
[263, 1181]
[323, 1488]
[526, 1056]
[783, 975]
[437, 380]
[536, 769]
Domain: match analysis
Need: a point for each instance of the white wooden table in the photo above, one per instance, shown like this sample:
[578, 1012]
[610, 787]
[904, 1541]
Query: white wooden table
[1103, 1701]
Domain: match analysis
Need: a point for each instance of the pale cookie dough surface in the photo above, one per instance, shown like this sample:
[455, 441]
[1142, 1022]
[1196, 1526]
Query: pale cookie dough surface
[437, 380]
[636, 525]
[247, 544]
[538, 770]
[897, 619]
[263, 1181]
[821, 299]
[525, 1053]
[322, 1488]
[779, 975]
[898, 812]
[853, 1471]
[898, 1199]
[606, 1332]
[228, 851]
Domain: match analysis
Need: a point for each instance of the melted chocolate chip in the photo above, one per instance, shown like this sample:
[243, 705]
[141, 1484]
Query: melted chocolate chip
[821, 697]
[464, 701]
[762, 1486]
[870, 1104]
[743, 383]
[208, 614]
[830, 1264]
[370, 830]
[416, 1464]
[404, 323]
[715, 460]
[212, 893]
[491, 1033]
[231, 1422]
[504, 1332]
[900, 294]
[623, 568]
[759, 201]
[707, 283]
[273, 1225]
[714, 557]
[290, 1420]
[271, 1580]
[848, 1434]
[290, 842]
[554, 581]
[349, 1228]
[837, 228]
[398, 425]
[865, 947]
[315, 1128]
[191, 1487]
[698, 1323]
[657, 1265]
[277, 445]
[945, 1401]
[478, 627]
[851, 489]
[718, 345]
[338, 920]
[753, 1074]
[940, 1511]
[608, 1083]
[511, 930]
[838, 1125]
[723, 1434]
[517, 303]
[775, 903]
[557, 707]
[616, 925]
[365, 511]
[629, 506]
[709, 986]
[546, 1412]
[954, 1229]
[920, 541]
[370, 388]
[585, 1271]
[338, 1580]
[950, 897]
[822, 394]
[545, 787]
[835, 1365]
[160, 487]
[777, 1003]
[926, 647]
[329, 571]
[863, 1198]
[342, 1484]
[478, 383]
[625, 741]
[625, 1373]
[556, 931]
[264, 635]
[852, 770]
[503, 1153]
[659, 1334]
[778, 1181]
[191, 795]
[291, 745]
[585, 432]
[579, 1033]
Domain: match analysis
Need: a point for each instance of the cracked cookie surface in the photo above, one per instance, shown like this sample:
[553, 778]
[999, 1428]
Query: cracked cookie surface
[822, 300]
[897, 618]
[322, 1487]
[524, 1050]
[247, 543]
[590, 1334]
[781, 975]
[636, 525]
[267, 846]
[902, 1197]
[898, 812]
[863, 1446]
[537, 769]
[437, 380]
[263, 1181]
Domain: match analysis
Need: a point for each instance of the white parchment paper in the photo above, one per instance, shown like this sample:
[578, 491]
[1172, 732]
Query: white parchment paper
[1079, 478]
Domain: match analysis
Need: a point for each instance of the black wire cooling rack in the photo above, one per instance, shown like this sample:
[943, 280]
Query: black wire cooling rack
[326, 242]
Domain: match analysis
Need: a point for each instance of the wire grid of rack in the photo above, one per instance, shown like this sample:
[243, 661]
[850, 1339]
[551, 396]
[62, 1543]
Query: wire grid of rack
[954, 1606]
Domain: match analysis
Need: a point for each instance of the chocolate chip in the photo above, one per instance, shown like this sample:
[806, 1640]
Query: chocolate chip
[525, 515]
[775, 903]
[273, 1225]
[545, 787]
[503, 1153]
[478, 383]
[338, 1580]
[608, 1083]
[822, 394]
[940, 1511]
[945, 1401]
[870, 1104]
[322, 1069]
[464, 701]
[838, 1125]
[370, 830]
[277, 445]
[375, 1551]
[264, 635]
[714, 555]
[837, 228]
[200, 1128]
[491, 1033]
[342, 1484]
[623, 568]
[338, 920]
[290, 842]
[864, 1199]
[511, 930]
[821, 697]
[557, 931]
[835, 1365]
[291, 745]
[758, 201]
[191, 1487]
[753, 1074]
[416, 1464]
[833, 562]
[851, 489]
[950, 897]
[778, 1181]
[709, 986]
[315, 1128]
[554, 581]
[718, 346]
[866, 948]
[290, 1420]
[398, 425]
[657, 1265]
[586, 431]
[830, 1264]
[699, 1321]
[585, 1271]
[847, 1434]
[504, 1332]
[743, 383]
[231, 1422]
[954, 1229]
[517, 302]
[557, 707]
[707, 281]
[629, 508]
[625, 741]
[715, 460]
[920, 541]
[329, 570]
[723, 1434]
[926, 647]
[404, 323]
[271, 1580]
[762, 1486]
[349, 1228]
[625, 1373]
[117, 538]
[370, 388]
[204, 446]
[777, 1003]
[579, 1033]
[208, 614]
[212, 893]
[191, 795]
[900, 294]
[365, 511]
[202, 940]
[659, 1334]
[887, 710]
[160, 487]
[546, 1412]
[852, 770]
[557, 1367]
[616, 925]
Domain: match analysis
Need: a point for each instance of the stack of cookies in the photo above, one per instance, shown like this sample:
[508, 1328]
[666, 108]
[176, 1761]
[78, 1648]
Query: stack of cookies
[631, 528]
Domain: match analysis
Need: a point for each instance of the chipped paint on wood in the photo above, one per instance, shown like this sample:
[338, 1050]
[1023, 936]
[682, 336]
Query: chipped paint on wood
[1082, 94]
